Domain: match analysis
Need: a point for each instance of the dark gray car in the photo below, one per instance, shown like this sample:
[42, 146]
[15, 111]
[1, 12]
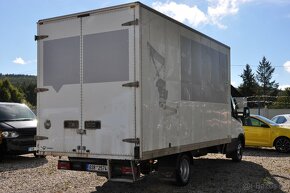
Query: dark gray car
[17, 128]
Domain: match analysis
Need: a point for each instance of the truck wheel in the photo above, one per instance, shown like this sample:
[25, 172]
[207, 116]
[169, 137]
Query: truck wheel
[2, 152]
[237, 155]
[282, 144]
[145, 168]
[1, 156]
[182, 170]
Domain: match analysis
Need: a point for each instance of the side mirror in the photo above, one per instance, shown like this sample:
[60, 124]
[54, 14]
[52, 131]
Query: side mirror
[246, 112]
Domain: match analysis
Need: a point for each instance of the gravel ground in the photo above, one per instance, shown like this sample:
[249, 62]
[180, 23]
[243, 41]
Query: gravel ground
[262, 170]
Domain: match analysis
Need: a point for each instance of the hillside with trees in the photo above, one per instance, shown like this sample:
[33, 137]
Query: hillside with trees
[259, 87]
[18, 88]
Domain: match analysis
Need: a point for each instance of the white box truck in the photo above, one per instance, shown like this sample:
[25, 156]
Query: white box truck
[125, 90]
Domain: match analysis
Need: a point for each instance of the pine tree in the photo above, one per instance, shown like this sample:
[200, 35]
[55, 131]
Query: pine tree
[264, 75]
[9, 93]
[249, 85]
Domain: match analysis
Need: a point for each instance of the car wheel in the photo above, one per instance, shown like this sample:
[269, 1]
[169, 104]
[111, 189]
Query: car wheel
[183, 170]
[282, 144]
[237, 155]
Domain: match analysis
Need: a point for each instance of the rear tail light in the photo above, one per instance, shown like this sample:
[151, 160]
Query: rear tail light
[63, 165]
[126, 170]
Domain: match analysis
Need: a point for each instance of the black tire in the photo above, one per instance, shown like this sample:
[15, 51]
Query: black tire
[237, 155]
[282, 144]
[2, 152]
[183, 170]
[145, 168]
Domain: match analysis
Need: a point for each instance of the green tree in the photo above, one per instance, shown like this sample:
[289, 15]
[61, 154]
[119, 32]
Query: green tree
[264, 78]
[287, 91]
[9, 93]
[283, 99]
[30, 94]
[249, 85]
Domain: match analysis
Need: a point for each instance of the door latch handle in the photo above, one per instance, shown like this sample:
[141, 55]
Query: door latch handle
[131, 84]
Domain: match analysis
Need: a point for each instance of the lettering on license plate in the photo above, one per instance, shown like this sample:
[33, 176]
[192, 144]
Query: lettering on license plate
[97, 168]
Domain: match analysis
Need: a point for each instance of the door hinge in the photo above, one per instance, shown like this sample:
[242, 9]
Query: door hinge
[129, 23]
[131, 84]
[40, 37]
[37, 90]
[37, 137]
[132, 140]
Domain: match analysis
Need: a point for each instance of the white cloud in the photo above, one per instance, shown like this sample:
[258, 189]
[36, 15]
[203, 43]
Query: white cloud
[282, 87]
[216, 11]
[234, 83]
[219, 9]
[287, 66]
[181, 12]
[19, 61]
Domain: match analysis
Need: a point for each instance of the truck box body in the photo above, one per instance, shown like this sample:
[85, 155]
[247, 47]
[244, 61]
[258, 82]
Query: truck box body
[129, 83]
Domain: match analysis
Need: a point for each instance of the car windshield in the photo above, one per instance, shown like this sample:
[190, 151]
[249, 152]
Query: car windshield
[15, 112]
[266, 120]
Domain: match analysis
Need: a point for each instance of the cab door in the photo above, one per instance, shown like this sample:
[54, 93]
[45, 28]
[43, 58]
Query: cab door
[257, 132]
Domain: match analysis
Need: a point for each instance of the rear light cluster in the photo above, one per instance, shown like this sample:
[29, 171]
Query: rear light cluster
[127, 170]
[69, 165]
[63, 165]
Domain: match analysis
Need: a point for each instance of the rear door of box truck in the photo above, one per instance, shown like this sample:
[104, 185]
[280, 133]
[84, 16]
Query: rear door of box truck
[86, 108]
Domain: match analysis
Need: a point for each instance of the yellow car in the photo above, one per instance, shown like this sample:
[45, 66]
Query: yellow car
[262, 132]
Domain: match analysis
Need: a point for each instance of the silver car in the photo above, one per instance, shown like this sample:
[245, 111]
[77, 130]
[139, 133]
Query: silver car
[283, 119]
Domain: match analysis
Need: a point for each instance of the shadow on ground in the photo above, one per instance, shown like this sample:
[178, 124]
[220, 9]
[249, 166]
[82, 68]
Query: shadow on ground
[209, 175]
[13, 162]
[264, 152]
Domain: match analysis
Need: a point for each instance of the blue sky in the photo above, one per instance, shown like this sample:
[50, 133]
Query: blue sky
[252, 28]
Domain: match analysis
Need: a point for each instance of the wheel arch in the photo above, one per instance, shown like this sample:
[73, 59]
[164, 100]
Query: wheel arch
[189, 154]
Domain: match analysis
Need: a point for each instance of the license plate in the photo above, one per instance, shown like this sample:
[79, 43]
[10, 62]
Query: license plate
[97, 168]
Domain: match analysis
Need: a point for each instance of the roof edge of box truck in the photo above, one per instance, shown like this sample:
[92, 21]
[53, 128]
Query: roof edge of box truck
[85, 13]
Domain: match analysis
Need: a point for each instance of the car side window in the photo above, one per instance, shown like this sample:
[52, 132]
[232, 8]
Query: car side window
[281, 120]
[257, 123]
[247, 122]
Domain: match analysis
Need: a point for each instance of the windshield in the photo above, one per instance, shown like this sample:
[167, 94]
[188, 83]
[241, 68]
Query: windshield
[266, 120]
[15, 112]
